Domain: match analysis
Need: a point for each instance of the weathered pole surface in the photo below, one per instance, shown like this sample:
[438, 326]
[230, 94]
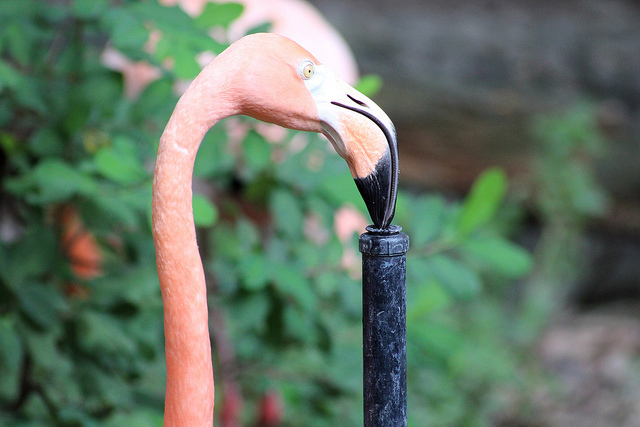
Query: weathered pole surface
[384, 326]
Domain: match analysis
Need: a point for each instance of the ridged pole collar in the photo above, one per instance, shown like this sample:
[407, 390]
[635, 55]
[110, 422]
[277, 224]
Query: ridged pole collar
[388, 242]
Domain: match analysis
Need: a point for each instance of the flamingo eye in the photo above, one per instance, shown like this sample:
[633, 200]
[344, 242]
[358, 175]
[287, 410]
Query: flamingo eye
[307, 71]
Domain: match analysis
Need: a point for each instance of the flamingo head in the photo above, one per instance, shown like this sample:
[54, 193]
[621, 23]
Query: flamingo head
[280, 82]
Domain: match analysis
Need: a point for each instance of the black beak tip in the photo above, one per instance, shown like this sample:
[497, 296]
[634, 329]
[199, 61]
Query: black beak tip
[378, 189]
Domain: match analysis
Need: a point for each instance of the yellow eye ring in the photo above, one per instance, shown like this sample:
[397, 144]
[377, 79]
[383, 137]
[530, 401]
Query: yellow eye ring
[307, 71]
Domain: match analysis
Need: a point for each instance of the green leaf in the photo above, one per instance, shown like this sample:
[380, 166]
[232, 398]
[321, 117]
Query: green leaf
[287, 213]
[30, 257]
[50, 365]
[439, 340]
[102, 332]
[100, 93]
[351, 296]
[215, 14]
[369, 84]
[9, 78]
[249, 313]
[120, 164]
[299, 325]
[426, 299]
[309, 256]
[31, 94]
[455, 276]
[205, 213]
[257, 152]
[291, 282]
[155, 103]
[46, 142]
[428, 218]
[248, 235]
[327, 283]
[18, 44]
[112, 389]
[139, 418]
[17, 8]
[4, 264]
[322, 210]
[127, 29]
[500, 256]
[145, 291]
[166, 18]
[483, 201]
[255, 272]
[214, 158]
[56, 181]
[226, 243]
[41, 303]
[277, 250]
[339, 188]
[260, 28]
[116, 208]
[185, 63]
[11, 353]
[179, 31]
[88, 8]
[6, 115]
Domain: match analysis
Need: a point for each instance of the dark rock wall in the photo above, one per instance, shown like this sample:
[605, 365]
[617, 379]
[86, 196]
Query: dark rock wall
[464, 78]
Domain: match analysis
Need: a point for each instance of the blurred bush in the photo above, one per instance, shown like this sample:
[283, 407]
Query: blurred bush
[566, 198]
[80, 310]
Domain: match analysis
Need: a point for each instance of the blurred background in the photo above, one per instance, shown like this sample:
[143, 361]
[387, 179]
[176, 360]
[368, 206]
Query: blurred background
[517, 130]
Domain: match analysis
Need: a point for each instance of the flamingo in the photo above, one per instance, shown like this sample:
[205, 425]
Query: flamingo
[273, 79]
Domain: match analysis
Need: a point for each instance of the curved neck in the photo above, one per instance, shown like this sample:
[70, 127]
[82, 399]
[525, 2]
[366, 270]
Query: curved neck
[190, 388]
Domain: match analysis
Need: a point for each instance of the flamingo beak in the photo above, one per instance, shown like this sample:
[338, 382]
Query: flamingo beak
[366, 138]
[373, 163]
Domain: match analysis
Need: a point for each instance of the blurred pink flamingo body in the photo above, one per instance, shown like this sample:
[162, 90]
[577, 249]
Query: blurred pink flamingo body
[295, 19]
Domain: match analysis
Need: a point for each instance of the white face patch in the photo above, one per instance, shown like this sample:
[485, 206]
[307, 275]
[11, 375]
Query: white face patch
[325, 87]
[313, 75]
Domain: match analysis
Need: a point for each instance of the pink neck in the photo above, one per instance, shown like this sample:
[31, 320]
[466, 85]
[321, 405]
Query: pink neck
[190, 388]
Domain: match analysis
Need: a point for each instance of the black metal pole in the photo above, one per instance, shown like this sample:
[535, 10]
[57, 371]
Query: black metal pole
[384, 321]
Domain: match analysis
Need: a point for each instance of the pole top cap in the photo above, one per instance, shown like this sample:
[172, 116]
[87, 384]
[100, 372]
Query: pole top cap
[388, 242]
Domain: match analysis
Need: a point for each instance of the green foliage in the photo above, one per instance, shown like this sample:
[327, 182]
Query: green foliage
[81, 349]
[204, 212]
[219, 15]
[118, 162]
[87, 348]
[369, 85]
[568, 144]
[482, 202]
[461, 360]
[566, 195]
